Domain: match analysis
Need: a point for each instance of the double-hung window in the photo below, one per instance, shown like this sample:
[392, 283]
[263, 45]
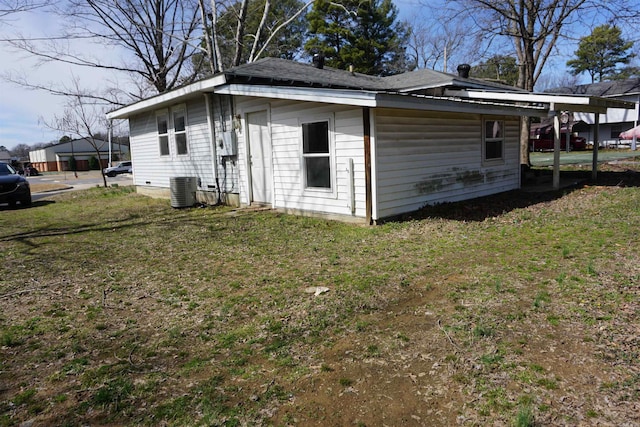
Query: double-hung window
[493, 140]
[316, 155]
[172, 131]
[180, 131]
[162, 121]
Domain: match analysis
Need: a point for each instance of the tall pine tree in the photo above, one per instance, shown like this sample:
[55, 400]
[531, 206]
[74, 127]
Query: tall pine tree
[600, 53]
[362, 34]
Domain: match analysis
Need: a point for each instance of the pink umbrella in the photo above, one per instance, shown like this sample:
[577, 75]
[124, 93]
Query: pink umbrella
[629, 134]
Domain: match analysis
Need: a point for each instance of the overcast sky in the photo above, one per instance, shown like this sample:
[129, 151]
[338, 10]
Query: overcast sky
[23, 111]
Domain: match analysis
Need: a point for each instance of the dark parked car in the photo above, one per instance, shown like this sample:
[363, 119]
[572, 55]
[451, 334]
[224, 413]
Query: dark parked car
[545, 142]
[13, 187]
[29, 171]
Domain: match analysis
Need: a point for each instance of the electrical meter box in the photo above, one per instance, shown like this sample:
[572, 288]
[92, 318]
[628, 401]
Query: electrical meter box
[227, 144]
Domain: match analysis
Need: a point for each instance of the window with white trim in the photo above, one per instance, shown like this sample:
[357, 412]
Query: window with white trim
[316, 154]
[172, 131]
[180, 131]
[493, 140]
[162, 121]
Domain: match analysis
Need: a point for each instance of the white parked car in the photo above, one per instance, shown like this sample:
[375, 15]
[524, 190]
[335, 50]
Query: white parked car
[121, 167]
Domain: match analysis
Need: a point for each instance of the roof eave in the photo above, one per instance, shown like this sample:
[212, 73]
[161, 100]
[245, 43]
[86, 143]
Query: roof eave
[557, 102]
[334, 96]
[455, 105]
[376, 99]
[461, 84]
[168, 98]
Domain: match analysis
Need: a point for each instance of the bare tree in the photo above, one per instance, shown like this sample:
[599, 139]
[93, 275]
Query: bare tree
[208, 41]
[533, 27]
[242, 19]
[83, 120]
[555, 80]
[243, 31]
[158, 36]
[8, 7]
[163, 41]
[21, 151]
[437, 43]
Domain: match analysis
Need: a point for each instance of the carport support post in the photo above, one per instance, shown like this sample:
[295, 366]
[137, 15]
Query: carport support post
[596, 143]
[556, 150]
[635, 123]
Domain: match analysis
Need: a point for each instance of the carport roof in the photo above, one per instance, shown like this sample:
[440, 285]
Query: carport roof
[603, 89]
[420, 89]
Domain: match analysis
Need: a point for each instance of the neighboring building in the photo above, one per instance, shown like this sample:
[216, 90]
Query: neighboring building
[616, 120]
[320, 141]
[56, 157]
[5, 156]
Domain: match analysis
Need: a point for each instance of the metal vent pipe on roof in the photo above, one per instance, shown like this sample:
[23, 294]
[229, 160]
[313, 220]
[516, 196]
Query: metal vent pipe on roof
[463, 70]
[318, 61]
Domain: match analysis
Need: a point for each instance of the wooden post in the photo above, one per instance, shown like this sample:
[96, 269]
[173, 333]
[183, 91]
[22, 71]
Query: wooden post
[596, 143]
[556, 152]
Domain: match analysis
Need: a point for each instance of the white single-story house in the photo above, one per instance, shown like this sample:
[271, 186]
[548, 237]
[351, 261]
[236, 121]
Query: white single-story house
[314, 140]
[56, 157]
[616, 120]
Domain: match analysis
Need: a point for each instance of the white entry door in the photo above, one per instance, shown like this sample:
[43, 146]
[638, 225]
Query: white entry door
[260, 157]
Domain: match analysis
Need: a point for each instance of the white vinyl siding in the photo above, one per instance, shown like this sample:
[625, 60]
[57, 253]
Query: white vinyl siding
[152, 169]
[227, 167]
[419, 157]
[428, 157]
[288, 168]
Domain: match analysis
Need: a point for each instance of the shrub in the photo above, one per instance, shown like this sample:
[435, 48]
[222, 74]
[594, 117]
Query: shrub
[94, 165]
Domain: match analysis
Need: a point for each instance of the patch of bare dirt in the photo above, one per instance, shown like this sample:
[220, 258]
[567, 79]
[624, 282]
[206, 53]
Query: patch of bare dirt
[407, 368]
[393, 372]
[46, 187]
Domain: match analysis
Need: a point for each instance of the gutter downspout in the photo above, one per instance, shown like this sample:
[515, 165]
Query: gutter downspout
[366, 124]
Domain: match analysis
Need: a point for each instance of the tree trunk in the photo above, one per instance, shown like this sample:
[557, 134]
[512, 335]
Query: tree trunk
[242, 17]
[207, 37]
[256, 40]
[214, 36]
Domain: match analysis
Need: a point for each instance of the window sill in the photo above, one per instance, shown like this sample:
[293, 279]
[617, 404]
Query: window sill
[493, 162]
[324, 192]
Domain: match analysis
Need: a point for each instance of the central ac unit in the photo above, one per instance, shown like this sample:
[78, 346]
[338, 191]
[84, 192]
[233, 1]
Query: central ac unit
[183, 191]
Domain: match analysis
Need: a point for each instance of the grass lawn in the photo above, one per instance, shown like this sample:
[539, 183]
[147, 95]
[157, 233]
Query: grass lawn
[119, 310]
[540, 159]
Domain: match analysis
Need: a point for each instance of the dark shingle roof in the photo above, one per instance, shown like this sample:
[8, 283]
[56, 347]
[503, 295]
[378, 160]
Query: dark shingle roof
[603, 89]
[275, 71]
